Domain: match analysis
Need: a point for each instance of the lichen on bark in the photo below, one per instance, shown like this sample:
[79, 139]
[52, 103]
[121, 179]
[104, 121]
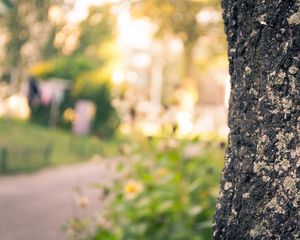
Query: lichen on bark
[260, 186]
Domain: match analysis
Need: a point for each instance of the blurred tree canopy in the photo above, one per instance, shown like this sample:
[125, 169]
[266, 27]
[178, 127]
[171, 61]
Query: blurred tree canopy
[179, 18]
[4, 6]
[81, 48]
[65, 67]
[83, 57]
[39, 40]
[26, 27]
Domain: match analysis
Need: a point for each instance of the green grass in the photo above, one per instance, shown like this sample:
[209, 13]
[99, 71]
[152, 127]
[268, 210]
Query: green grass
[21, 137]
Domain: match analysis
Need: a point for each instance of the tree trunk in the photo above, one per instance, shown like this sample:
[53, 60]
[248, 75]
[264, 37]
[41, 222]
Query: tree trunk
[188, 61]
[260, 188]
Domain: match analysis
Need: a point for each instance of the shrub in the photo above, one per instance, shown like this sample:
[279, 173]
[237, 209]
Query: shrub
[164, 194]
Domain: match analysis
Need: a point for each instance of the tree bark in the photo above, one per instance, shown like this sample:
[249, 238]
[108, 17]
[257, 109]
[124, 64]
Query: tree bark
[260, 187]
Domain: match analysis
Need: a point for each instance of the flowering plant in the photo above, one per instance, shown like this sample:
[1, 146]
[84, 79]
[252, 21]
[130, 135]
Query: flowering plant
[164, 193]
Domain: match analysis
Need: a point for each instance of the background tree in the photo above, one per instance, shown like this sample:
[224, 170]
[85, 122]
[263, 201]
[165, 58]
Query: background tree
[4, 6]
[26, 27]
[84, 56]
[260, 187]
[178, 18]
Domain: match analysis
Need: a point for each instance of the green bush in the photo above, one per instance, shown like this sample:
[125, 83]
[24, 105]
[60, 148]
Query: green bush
[65, 67]
[88, 68]
[166, 192]
[86, 85]
[94, 86]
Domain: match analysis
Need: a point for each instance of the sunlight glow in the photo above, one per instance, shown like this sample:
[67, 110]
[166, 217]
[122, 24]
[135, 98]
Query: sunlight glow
[207, 16]
[185, 124]
[141, 60]
[56, 15]
[118, 77]
[17, 107]
[81, 9]
[149, 128]
[135, 34]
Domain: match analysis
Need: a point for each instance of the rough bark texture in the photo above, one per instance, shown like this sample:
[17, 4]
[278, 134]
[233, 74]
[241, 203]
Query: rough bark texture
[260, 189]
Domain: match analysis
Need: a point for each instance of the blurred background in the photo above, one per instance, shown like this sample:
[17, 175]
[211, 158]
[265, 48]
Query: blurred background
[140, 87]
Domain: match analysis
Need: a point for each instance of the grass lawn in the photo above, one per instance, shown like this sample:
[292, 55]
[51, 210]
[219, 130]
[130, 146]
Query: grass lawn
[24, 140]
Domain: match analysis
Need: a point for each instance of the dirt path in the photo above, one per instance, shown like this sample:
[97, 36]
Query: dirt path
[34, 207]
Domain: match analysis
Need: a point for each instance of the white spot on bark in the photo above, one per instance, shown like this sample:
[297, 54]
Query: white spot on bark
[262, 19]
[265, 178]
[227, 185]
[246, 195]
[285, 164]
[234, 213]
[281, 74]
[294, 19]
[287, 105]
[258, 166]
[259, 230]
[289, 183]
[232, 50]
[285, 47]
[248, 70]
[293, 70]
[283, 139]
[273, 204]
[292, 83]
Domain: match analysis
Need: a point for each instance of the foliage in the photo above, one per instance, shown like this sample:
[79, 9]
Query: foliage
[5, 5]
[87, 66]
[15, 25]
[95, 87]
[65, 67]
[166, 191]
[26, 25]
[40, 115]
[177, 18]
[96, 30]
[66, 149]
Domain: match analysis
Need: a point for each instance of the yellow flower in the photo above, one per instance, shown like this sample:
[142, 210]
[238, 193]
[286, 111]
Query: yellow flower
[69, 115]
[132, 189]
[41, 68]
